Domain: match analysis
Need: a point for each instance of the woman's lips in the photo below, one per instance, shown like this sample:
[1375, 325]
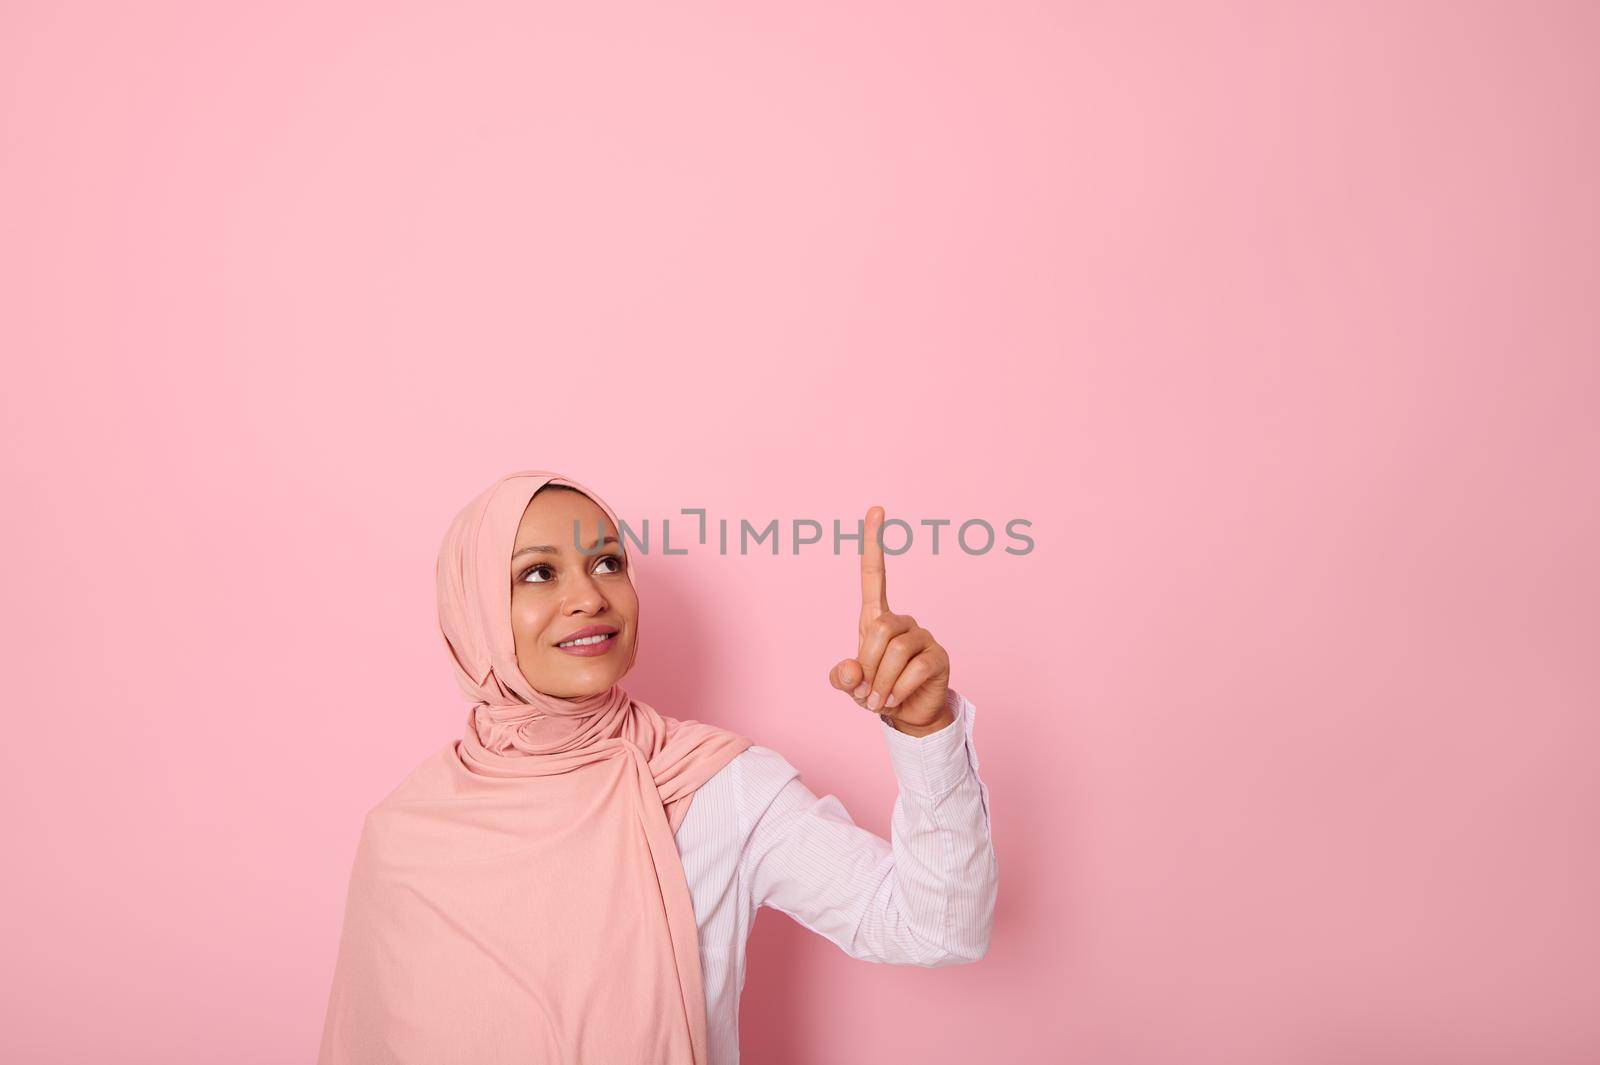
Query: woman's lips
[589, 650]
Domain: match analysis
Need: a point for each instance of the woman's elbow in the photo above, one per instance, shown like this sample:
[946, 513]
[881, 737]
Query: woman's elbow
[965, 956]
[971, 949]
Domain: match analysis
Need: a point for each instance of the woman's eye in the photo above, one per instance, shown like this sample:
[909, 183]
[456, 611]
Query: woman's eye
[550, 573]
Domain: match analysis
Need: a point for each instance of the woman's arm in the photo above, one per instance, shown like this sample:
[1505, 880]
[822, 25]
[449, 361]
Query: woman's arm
[925, 898]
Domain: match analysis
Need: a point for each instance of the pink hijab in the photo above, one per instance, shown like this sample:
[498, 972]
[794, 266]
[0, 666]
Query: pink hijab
[519, 897]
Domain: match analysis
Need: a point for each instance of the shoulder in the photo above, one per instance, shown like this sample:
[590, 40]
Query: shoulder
[762, 769]
[759, 775]
[754, 769]
[434, 777]
[744, 789]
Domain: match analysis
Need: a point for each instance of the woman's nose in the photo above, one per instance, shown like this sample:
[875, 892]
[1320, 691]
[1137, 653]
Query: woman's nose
[586, 595]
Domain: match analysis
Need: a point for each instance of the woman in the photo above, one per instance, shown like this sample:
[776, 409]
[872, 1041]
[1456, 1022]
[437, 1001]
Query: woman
[574, 879]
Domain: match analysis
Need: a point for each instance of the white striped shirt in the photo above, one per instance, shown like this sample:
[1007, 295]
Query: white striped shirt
[755, 836]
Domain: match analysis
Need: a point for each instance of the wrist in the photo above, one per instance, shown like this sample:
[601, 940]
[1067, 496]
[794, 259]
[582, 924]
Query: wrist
[943, 721]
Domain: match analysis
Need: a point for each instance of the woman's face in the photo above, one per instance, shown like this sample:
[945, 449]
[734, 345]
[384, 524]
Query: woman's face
[557, 592]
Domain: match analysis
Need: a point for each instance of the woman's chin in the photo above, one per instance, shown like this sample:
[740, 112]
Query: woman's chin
[578, 680]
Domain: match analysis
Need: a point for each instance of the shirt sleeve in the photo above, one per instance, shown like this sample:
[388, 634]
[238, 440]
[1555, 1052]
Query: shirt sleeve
[925, 897]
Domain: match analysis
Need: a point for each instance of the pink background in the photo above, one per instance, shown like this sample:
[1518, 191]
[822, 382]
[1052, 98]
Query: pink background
[1277, 320]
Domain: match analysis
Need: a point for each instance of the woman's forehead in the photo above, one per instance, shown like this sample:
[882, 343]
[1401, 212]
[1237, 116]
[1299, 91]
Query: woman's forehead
[549, 520]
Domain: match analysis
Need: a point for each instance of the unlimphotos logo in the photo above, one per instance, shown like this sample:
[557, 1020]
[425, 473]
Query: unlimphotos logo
[974, 536]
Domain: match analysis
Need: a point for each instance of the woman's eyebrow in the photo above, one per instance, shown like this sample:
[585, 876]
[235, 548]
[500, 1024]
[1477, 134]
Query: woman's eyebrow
[547, 549]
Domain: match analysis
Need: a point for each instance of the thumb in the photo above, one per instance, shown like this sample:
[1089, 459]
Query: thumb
[846, 676]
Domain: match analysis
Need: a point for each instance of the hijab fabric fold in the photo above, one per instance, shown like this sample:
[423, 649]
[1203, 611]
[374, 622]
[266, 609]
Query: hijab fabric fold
[519, 898]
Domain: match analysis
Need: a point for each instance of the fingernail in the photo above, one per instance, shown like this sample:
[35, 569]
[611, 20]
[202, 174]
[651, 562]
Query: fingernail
[892, 700]
[873, 700]
[861, 689]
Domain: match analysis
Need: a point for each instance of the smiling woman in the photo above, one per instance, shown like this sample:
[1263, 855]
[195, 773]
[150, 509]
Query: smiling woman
[497, 891]
[537, 891]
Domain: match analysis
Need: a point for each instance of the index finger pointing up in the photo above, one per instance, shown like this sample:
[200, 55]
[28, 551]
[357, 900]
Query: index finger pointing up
[874, 596]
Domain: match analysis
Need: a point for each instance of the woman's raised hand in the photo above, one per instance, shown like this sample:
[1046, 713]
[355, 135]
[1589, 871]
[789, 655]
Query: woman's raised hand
[900, 671]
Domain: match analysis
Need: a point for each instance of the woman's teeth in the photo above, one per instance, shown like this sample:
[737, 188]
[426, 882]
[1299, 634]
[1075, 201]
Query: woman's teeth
[586, 641]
